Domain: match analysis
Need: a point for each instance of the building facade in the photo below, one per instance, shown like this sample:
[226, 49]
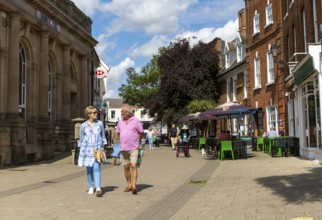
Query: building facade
[233, 78]
[47, 64]
[302, 45]
[266, 73]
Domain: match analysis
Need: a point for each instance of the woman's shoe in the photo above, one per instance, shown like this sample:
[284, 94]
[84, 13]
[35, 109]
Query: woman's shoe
[91, 191]
[98, 192]
[134, 191]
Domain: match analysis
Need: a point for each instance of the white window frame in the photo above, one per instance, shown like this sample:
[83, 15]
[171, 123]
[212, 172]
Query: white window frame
[245, 85]
[228, 90]
[269, 14]
[270, 68]
[272, 117]
[113, 114]
[304, 31]
[239, 52]
[50, 88]
[23, 80]
[234, 88]
[256, 24]
[257, 73]
[227, 59]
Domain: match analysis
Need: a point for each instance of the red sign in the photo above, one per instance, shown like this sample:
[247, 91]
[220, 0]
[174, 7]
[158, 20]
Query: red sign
[100, 72]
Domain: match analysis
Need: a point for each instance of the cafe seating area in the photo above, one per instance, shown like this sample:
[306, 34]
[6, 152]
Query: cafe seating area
[237, 148]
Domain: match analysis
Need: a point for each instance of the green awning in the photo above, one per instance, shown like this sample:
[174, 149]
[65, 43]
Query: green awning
[304, 71]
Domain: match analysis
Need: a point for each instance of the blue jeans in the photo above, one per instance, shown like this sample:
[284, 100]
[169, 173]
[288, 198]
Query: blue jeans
[94, 173]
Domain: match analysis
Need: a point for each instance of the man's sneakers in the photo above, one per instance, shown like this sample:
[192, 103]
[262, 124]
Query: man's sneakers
[91, 191]
[98, 192]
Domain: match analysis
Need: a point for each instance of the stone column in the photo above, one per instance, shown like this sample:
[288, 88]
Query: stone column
[13, 66]
[66, 83]
[83, 90]
[3, 83]
[43, 77]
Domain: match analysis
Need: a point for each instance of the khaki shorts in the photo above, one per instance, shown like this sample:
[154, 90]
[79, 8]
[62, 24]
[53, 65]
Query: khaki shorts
[129, 157]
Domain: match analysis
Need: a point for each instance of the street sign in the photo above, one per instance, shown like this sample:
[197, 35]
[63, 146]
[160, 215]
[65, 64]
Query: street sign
[101, 72]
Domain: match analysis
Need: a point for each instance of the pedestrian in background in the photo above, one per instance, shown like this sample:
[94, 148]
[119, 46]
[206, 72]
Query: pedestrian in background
[184, 135]
[157, 135]
[173, 136]
[150, 137]
[131, 132]
[116, 147]
[92, 137]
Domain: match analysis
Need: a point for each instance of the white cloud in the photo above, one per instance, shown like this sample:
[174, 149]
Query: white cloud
[116, 76]
[153, 16]
[151, 47]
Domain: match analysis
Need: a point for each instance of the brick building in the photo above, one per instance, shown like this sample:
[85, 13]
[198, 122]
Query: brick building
[266, 90]
[47, 64]
[302, 57]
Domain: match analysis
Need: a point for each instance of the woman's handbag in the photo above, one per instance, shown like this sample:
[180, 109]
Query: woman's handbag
[100, 156]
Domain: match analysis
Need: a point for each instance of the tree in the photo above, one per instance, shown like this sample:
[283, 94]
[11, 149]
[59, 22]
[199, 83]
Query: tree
[186, 74]
[142, 86]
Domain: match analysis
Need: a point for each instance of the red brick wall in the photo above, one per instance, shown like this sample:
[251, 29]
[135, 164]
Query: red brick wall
[259, 43]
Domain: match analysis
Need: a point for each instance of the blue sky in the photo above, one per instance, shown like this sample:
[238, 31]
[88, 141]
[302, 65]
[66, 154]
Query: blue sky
[129, 32]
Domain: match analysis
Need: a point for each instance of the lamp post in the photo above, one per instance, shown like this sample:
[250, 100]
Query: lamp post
[105, 113]
[274, 50]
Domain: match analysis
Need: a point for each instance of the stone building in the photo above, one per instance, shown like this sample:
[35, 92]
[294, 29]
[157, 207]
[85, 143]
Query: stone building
[47, 63]
[302, 21]
[266, 87]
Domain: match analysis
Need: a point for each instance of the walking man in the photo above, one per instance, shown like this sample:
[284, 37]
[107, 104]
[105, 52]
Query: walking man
[131, 132]
[173, 134]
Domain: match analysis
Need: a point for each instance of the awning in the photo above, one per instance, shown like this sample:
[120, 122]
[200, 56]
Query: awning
[229, 109]
[304, 69]
[196, 117]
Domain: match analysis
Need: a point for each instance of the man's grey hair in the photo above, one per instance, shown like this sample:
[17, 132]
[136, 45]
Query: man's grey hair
[129, 110]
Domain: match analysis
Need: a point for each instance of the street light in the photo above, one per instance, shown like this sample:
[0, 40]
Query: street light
[274, 50]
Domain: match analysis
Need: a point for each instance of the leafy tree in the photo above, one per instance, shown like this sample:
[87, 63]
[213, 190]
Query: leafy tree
[187, 74]
[142, 86]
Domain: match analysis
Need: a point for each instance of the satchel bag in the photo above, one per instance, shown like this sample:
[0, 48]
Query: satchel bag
[100, 156]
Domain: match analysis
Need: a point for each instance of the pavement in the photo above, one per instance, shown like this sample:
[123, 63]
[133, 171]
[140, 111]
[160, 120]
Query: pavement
[257, 188]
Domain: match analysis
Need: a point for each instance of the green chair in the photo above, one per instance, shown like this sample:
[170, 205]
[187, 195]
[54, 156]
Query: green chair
[226, 146]
[202, 142]
[260, 141]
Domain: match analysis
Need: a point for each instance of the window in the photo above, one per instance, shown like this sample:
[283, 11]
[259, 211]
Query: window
[257, 72]
[22, 80]
[112, 114]
[234, 88]
[141, 114]
[270, 68]
[256, 23]
[269, 14]
[227, 60]
[228, 90]
[50, 86]
[245, 85]
[304, 30]
[239, 51]
[294, 40]
[272, 120]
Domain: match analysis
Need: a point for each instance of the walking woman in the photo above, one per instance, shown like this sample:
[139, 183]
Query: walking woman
[92, 137]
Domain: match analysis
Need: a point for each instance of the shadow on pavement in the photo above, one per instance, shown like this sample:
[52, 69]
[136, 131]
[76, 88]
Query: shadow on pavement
[296, 188]
[141, 187]
[108, 189]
